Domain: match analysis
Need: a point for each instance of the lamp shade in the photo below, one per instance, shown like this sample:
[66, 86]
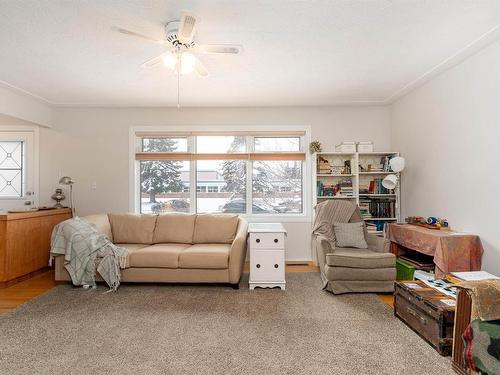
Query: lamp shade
[390, 181]
[397, 164]
[66, 180]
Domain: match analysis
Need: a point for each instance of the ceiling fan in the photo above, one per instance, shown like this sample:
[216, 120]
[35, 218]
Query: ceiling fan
[181, 47]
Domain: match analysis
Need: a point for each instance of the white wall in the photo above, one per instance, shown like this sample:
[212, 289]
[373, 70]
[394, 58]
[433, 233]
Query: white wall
[91, 144]
[449, 132]
[22, 107]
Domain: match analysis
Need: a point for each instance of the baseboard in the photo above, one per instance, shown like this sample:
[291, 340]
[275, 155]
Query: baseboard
[6, 284]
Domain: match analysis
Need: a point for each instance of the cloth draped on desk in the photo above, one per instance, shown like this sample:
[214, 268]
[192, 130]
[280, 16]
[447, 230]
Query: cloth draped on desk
[485, 297]
[451, 251]
[83, 247]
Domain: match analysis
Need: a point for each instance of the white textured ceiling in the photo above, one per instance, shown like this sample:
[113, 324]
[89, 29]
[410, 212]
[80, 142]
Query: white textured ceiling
[295, 52]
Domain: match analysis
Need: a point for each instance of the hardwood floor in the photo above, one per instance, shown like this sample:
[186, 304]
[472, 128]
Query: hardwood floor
[22, 292]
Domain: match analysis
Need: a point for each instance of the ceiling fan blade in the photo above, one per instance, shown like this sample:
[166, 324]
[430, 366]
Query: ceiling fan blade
[137, 35]
[154, 61]
[200, 68]
[187, 27]
[232, 49]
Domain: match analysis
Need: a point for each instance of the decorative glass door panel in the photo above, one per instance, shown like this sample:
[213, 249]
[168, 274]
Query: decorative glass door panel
[16, 170]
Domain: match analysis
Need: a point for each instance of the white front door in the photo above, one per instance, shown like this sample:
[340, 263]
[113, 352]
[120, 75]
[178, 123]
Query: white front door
[17, 170]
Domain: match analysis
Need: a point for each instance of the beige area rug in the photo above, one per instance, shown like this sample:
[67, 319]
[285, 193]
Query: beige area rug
[183, 329]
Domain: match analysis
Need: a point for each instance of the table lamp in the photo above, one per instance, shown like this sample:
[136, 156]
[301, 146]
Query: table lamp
[69, 181]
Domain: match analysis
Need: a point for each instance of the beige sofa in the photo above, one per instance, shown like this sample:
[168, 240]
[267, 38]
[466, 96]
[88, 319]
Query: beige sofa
[175, 247]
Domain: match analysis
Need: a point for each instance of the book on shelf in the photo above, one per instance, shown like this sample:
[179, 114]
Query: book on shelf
[342, 188]
[383, 166]
[375, 187]
[376, 207]
[324, 167]
[375, 226]
[364, 208]
[385, 163]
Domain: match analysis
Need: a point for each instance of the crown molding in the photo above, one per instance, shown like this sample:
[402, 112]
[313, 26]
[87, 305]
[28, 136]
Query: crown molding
[464, 53]
[26, 93]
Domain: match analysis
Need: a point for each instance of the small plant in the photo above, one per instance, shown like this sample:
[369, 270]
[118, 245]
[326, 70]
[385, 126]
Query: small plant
[315, 146]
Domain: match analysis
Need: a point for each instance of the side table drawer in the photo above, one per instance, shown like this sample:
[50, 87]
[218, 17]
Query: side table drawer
[267, 265]
[267, 240]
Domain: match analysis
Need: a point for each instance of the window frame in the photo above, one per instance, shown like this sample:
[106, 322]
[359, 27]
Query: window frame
[135, 143]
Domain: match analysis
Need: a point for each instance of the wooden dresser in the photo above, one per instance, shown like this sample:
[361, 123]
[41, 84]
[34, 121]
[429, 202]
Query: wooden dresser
[25, 243]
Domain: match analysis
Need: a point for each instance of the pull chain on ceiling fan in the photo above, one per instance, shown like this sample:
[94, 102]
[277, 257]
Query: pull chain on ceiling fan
[181, 48]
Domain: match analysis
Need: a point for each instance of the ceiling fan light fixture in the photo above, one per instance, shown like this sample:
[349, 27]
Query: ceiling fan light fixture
[169, 60]
[187, 62]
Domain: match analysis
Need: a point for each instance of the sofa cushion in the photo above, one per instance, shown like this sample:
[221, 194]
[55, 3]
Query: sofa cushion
[360, 258]
[131, 247]
[101, 223]
[350, 235]
[360, 274]
[157, 256]
[174, 228]
[205, 256]
[211, 228]
[132, 228]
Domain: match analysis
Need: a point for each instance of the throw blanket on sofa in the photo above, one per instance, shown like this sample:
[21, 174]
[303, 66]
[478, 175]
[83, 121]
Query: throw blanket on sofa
[81, 244]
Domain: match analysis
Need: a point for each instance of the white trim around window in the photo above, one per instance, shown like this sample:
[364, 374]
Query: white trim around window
[134, 147]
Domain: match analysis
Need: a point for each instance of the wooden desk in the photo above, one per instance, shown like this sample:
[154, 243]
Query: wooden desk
[451, 251]
[25, 243]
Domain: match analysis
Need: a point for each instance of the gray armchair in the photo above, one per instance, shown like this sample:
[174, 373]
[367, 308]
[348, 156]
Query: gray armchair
[352, 270]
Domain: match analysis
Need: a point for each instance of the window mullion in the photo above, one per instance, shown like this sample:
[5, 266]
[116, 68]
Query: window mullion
[192, 176]
[249, 174]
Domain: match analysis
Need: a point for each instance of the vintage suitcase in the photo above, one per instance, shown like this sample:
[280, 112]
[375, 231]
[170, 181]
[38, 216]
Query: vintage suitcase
[423, 310]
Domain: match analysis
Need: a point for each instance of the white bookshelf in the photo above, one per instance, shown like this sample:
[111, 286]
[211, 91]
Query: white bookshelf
[357, 177]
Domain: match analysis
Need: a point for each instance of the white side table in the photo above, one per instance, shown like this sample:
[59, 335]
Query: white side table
[266, 242]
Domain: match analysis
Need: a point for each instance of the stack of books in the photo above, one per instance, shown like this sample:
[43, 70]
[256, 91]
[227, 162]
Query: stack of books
[375, 225]
[371, 227]
[376, 168]
[364, 188]
[364, 208]
[345, 188]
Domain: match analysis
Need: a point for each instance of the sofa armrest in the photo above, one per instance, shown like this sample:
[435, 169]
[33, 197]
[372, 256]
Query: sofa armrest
[323, 247]
[378, 244]
[238, 252]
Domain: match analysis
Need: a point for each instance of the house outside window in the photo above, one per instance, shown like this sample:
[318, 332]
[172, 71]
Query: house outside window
[261, 174]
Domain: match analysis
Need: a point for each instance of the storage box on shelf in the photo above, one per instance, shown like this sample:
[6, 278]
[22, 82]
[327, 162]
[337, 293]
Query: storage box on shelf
[346, 147]
[365, 147]
[362, 183]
